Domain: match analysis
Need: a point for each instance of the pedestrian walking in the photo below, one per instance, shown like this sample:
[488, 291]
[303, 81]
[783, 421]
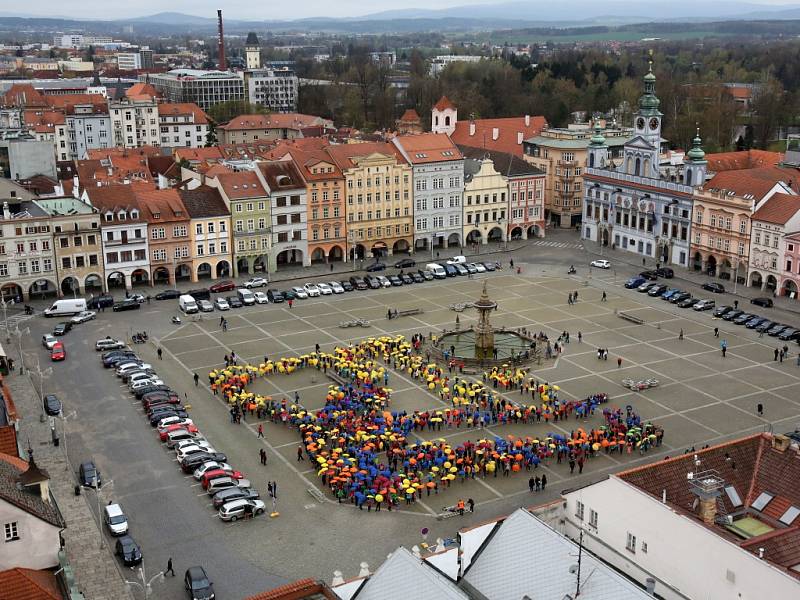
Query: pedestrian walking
[169, 568]
[619, 362]
[603, 299]
[224, 324]
[511, 262]
[269, 489]
[261, 430]
[531, 484]
[776, 354]
[221, 321]
[263, 455]
[680, 335]
[544, 481]
[289, 302]
[331, 267]
[300, 454]
[471, 504]
[724, 346]
[11, 365]
[735, 304]
[760, 409]
[580, 337]
[159, 354]
[196, 380]
[275, 490]
[716, 331]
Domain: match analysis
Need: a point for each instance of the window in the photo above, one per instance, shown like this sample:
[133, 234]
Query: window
[11, 531]
[3, 269]
[761, 502]
[644, 547]
[200, 249]
[790, 515]
[593, 518]
[199, 228]
[733, 496]
[211, 227]
[630, 545]
[579, 510]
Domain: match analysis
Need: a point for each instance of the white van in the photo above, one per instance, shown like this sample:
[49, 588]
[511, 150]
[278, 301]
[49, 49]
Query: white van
[66, 307]
[246, 296]
[436, 270]
[188, 304]
[457, 260]
[115, 519]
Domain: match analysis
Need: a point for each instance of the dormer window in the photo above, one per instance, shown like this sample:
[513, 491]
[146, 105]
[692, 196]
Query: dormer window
[109, 216]
[156, 215]
[121, 215]
[134, 214]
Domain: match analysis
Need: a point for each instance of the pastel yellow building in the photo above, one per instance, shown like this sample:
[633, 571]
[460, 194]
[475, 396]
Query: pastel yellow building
[485, 202]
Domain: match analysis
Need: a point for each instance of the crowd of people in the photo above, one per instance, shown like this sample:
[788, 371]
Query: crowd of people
[374, 457]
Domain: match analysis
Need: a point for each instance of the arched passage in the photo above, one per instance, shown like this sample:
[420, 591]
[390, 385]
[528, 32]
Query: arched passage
[140, 277]
[756, 280]
[288, 258]
[789, 288]
[70, 286]
[400, 247]
[516, 233]
[379, 249]
[183, 273]
[260, 264]
[335, 254]
[93, 282]
[453, 240]
[725, 269]
[204, 271]
[474, 237]
[42, 288]
[223, 268]
[697, 261]
[116, 280]
[11, 291]
[495, 234]
[161, 275]
[771, 283]
[243, 265]
[358, 251]
[318, 256]
[711, 265]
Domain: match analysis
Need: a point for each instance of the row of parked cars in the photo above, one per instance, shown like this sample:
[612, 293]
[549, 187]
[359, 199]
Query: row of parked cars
[231, 494]
[759, 323]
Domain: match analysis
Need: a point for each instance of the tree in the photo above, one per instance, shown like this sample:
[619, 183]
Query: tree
[225, 111]
[769, 108]
[211, 136]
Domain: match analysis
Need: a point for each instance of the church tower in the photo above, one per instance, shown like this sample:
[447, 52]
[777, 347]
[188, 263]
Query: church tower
[642, 151]
[695, 163]
[597, 152]
[252, 51]
[444, 116]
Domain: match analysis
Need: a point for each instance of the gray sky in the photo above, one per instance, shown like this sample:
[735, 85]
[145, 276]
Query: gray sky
[247, 9]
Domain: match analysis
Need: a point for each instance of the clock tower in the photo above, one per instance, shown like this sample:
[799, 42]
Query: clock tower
[642, 151]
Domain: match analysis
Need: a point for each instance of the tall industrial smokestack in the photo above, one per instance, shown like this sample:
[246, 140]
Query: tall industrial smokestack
[221, 41]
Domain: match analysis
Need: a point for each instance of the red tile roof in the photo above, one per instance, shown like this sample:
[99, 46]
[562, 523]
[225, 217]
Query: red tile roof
[167, 204]
[240, 185]
[198, 154]
[181, 109]
[281, 175]
[344, 154]
[444, 103]
[426, 148]
[24, 95]
[142, 90]
[745, 159]
[273, 121]
[410, 116]
[114, 198]
[28, 584]
[8, 441]
[65, 101]
[508, 133]
[778, 209]
[304, 589]
[754, 182]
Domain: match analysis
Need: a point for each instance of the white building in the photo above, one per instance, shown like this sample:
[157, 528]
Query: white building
[769, 225]
[722, 523]
[289, 208]
[129, 61]
[134, 122]
[88, 127]
[182, 125]
[440, 63]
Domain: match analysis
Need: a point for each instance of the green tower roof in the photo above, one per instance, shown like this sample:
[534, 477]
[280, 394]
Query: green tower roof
[597, 138]
[696, 153]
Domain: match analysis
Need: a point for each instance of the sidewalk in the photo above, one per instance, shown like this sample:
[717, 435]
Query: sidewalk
[96, 572]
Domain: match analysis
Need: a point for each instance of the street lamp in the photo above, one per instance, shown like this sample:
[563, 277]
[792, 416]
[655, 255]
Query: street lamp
[42, 374]
[145, 585]
[64, 419]
[97, 490]
[19, 333]
[5, 318]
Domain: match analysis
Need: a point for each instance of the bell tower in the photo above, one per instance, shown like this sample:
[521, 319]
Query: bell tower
[642, 152]
[597, 152]
[252, 50]
[695, 163]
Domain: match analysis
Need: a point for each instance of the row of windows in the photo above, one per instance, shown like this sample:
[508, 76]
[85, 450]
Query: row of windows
[125, 256]
[379, 231]
[378, 214]
[325, 195]
[359, 183]
[24, 267]
[438, 222]
[486, 219]
[33, 246]
[160, 254]
[519, 213]
[80, 261]
[212, 248]
[767, 239]
[437, 183]
[326, 233]
[325, 213]
[438, 202]
[386, 195]
[252, 244]
[538, 195]
[160, 233]
[210, 227]
[486, 198]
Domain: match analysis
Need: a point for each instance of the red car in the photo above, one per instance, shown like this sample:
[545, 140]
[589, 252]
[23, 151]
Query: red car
[58, 352]
[164, 431]
[223, 286]
[209, 476]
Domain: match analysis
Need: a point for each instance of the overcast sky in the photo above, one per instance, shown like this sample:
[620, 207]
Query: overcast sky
[247, 9]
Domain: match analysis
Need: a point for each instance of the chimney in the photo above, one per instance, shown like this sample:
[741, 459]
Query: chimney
[520, 137]
[650, 586]
[527, 120]
[708, 510]
[6, 211]
[221, 41]
[472, 128]
[495, 133]
[337, 579]
[780, 443]
[761, 553]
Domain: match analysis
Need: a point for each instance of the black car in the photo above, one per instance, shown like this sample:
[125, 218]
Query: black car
[197, 584]
[359, 283]
[490, 266]
[396, 281]
[200, 294]
[275, 296]
[407, 279]
[346, 285]
[376, 266]
[788, 334]
[234, 302]
[191, 462]
[755, 322]
[129, 304]
[651, 275]
[721, 311]
[732, 314]
[657, 290]
[373, 283]
[777, 330]
[102, 301]
[52, 405]
[168, 295]
[404, 263]
[450, 270]
[688, 302]
[150, 388]
[156, 416]
[62, 328]
[417, 277]
[112, 358]
[713, 286]
[665, 272]
[151, 396]
[235, 493]
[128, 551]
[766, 326]
[765, 302]
[743, 318]
[426, 275]
[680, 297]
[89, 475]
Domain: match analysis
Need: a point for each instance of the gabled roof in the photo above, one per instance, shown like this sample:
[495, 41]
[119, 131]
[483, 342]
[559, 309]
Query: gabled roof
[66, 101]
[410, 116]
[427, 148]
[11, 469]
[443, 104]
[507, 164]
[204, 202]
[281, 175]
[755, 183]
[197, 154]
[344, 154]
[182, 109]
[303, 589]
[240, 185]
[24, 95]
[160, 206]
[778, 209]
[308, 159]
[116, 198]
[8, 440]
[29, 584]
[142, 90]
[525, 557]
[273, 121]
[745, 159]
[404, 575]
[508, 130]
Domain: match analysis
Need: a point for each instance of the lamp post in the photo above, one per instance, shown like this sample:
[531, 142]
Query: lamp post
[5, 319]
[19, 333]
[42, 374]
[145, 585]
[97, 490]
[64, 419]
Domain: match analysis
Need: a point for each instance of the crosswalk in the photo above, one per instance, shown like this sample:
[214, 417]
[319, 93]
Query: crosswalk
[15, 320]
[557, 244]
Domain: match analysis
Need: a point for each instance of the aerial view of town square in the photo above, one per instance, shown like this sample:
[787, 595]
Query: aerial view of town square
[470, 300]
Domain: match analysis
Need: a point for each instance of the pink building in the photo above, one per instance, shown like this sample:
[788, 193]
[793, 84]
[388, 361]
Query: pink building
[790, 276]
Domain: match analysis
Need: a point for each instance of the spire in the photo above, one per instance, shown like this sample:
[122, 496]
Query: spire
[649, 102]
[696, 154]
[597, 138]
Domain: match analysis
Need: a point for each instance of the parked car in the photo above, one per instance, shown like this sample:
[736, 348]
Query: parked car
[58, 352]
[688, 302]
[128, 550]
[404, 263]
[471, 268]
[127, 304]
[665, 272]
[255, 282]
[651, 275]
[480, 267]
[755, 322]
[426, 275]
[634, 282]
[336, 287]
[312, 290]
[347, 286]
[777, 330]
[373, 282]
[234, 302]
[101, 301]
[325, 289]
[205, 306]
[713, 286]
[300, 293]
[222, 286]
[49, 340]
[450, 270]
[732, 314]
[601, 264]
[214, 474]
[490, 266]
[190, 463]
[670, 293]
[89, 475]
[289, 295]
[704, 305]
[167, 295]
[238, 509]
[789, 334]
[164, 431]
[234, 493]
[743, 318]
[406, 279]
[763, 302]
[261, 298]
[62, 328]
[679, 297]
[209, 466]
[115, 519]
[461, 269]
[223, 483]
[359, 283]
[417, 277]
[646, 287]
[657, 290]
[193, 449]
[721, 311]
[221, 303]
[274, 296]
[198, 585]
[376, 266]
[765, 326]
[52, 405]
[395, 280]
[83, 316]
[384, 281]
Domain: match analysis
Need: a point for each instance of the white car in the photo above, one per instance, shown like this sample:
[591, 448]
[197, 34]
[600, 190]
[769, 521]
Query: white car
[48, 341]
[384, 281]
[261, 298]
[336, 287]
[207, 466]
[221, 304]
[325, 289]
[479, 267]
[312, 289]
[255, 282]
[300, 292]
[145, 383]
[193, 449]
[83, 316]
[167, 421]
[140, 298]
[195, 441]
[601, 264]
[205, 306]
[132, 366]
[108, 344]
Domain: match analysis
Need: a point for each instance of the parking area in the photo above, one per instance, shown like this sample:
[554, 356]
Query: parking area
[702, 397]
